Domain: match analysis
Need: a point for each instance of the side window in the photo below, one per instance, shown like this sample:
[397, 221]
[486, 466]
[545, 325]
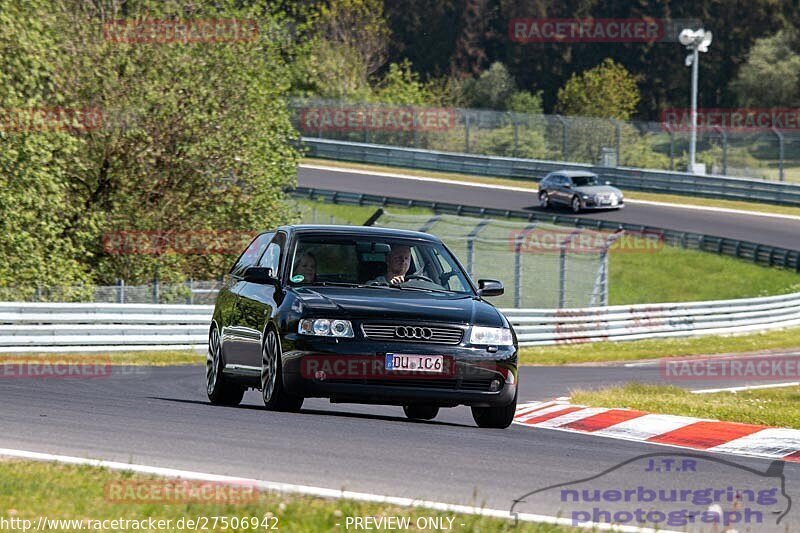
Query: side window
[252, 253]
[450, 280]
[272, 257]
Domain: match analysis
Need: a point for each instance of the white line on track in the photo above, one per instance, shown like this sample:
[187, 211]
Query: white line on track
[317, 491]
[747, 387]
[533, 191]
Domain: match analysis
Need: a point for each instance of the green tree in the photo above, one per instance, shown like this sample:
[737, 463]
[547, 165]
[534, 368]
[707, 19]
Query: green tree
[607, 90]
[402, 85]
[491, 89]
[195, 137]
[771, 75]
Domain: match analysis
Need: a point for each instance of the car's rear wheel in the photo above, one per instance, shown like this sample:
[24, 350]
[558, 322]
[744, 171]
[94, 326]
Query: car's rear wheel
[421, 412]
[272, 392]
[576, 204]
[544, 200]
[495, 417]
[219, 390]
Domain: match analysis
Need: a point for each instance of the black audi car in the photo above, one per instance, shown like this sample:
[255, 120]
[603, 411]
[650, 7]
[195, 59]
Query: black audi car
[363, 315]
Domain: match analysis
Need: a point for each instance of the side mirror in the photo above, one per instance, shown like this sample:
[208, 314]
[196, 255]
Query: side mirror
[567, 185]
[261, 275]
[490, 287]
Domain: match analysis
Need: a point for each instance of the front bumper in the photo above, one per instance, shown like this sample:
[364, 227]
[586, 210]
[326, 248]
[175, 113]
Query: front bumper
[475, 376]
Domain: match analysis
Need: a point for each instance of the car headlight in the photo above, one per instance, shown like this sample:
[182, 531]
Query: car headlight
[324, 327]
[491, 336]
[585, 196]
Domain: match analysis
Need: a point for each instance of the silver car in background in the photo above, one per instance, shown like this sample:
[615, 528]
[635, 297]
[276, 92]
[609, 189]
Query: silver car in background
[579, 190]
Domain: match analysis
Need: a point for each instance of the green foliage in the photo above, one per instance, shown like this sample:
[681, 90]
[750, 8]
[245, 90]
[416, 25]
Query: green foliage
[347, 43]
[492, 89]
[607, 90]
[771, 75]
[402, 85]
[177, 119]
[526, 102]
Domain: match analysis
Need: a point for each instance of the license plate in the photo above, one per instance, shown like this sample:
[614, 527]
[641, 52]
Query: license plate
[415, 363]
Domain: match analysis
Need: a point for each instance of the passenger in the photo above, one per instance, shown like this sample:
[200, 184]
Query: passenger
[398, 261]
[306, 266]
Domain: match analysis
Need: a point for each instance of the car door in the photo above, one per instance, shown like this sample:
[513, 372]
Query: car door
[256, 303]
[232, 327]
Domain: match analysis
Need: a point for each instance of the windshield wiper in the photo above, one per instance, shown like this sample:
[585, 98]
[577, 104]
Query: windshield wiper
[337, 284]
[443, 291]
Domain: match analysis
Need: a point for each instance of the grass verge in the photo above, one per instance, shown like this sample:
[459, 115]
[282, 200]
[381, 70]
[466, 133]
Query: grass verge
[768, 407]
[598, 352]
[132, 358]
[633, 195]
[31, 490]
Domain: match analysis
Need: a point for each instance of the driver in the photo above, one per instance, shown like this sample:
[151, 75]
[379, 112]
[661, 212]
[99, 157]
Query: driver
[398, 261]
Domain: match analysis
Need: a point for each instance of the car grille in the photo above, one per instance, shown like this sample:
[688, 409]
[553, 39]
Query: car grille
[411, 333]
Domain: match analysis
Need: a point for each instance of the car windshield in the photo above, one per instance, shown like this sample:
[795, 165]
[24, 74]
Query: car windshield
[583, 181]
[365, 261]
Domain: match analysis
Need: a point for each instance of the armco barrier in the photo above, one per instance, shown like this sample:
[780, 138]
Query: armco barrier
[757, 253]
[28, 327]
[39, 327]
[626, 178]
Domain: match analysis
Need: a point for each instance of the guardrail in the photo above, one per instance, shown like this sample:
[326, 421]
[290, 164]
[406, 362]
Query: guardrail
[43, 327]
[620, 323]
[40, 327]
[750, 251]
[634, 179]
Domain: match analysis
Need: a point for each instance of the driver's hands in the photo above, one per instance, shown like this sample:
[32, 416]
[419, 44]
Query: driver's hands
[397, 280]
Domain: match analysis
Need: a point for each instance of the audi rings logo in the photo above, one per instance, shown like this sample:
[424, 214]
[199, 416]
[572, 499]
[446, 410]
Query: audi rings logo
[409, 332]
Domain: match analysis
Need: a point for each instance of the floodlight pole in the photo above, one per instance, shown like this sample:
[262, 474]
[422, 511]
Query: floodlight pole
[693, 141]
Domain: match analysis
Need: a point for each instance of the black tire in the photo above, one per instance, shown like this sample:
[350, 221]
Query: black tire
[495, 417]
[576, 204]
[421, 412]
[272, 392]
[544, 200]
[220, 391]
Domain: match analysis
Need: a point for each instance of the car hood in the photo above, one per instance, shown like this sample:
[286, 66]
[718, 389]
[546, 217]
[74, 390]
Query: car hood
[397, 304]
[598, 189]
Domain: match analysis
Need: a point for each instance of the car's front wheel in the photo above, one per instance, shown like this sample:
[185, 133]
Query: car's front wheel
[219, 390]
[576, 204]
[274, 396]
[495, 417]
[421, 412]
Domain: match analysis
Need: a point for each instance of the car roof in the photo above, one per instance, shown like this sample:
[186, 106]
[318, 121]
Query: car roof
[573, 173]
[371, 231]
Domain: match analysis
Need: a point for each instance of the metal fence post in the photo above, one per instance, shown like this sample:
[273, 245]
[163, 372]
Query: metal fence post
[563, 136]
[516, 136]
[518, 270]
[671, 148]
[617, 138]
[471, 244]
[562, 270]
[155, 285]
[121, 291]
[466, 133]
[723, 135]
[191, 291]
[780, 153]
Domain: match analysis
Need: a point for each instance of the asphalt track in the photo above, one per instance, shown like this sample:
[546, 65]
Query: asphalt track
[161, 417]
[762, 230]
